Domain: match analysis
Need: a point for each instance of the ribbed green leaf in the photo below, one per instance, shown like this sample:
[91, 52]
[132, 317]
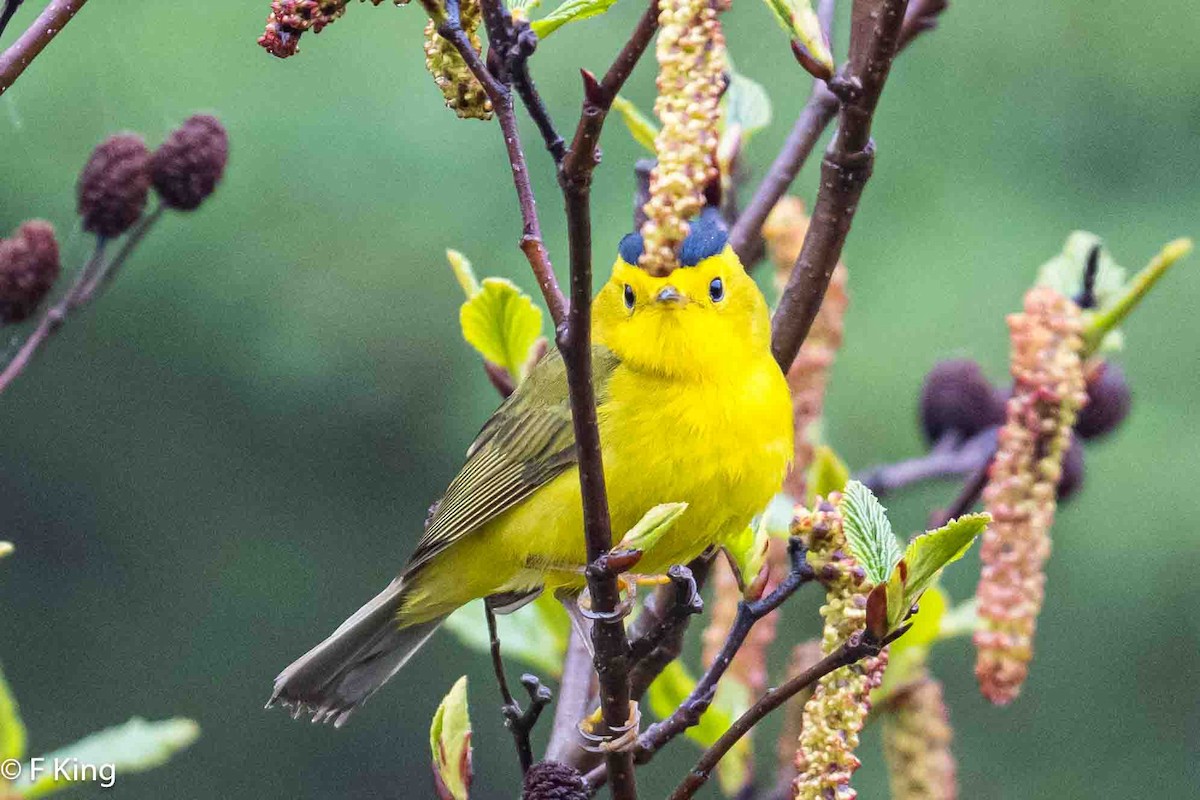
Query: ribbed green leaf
[502, 323]
[653, 525]
[925, 557]
[869, 533]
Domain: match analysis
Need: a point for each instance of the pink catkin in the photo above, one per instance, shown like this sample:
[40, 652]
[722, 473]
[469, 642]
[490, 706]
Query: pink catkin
[1048, 391]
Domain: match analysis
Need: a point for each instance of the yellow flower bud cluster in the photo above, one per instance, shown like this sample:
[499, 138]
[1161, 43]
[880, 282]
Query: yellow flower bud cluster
[1048, 391]
[834, 715]
[692, 64]
[463, 92]
[808, 376]
[916, 743]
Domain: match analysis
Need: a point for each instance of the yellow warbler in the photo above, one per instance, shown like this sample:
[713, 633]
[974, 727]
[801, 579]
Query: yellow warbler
[692, 408]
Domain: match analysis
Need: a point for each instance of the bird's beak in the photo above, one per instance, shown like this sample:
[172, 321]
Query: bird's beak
[669, 295]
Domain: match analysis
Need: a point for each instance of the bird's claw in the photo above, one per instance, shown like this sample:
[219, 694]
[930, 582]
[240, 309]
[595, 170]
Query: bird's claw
[619, 739]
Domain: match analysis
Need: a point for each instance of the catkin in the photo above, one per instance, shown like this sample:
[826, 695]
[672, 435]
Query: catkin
[463, 92]
[692, 63]
[1048, 391]
[916, 743]
[834, 715]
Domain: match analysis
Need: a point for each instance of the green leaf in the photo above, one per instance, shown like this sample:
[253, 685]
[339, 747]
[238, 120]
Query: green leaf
[641, 127]
[535, 634]
[502, 323]
[136, 746]
[569, 11]
[868, 532]
[1107, 318]
[826, 475]
[12, 729]
[652, 526]
[926, 623]
[800, 22]
[748, 549]
[461, 266]
[924, 558]
[747, 105]
[450, 742]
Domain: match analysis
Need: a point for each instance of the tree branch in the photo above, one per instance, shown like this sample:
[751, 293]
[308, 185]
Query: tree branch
[10, 8]
[34, 40]
[519, 723]
[690, 711]
[450, 28]
[857, 647]
[746, 234]
[940, 462]
[574, 341]
[575, 692]
[874, 36]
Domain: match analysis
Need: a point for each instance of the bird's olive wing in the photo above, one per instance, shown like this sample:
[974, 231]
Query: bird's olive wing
[525, 444]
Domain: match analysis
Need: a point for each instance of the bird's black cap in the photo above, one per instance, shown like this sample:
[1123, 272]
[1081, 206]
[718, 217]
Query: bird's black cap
[707, 236]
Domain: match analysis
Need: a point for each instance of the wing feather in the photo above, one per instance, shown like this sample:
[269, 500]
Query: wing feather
[527, 443]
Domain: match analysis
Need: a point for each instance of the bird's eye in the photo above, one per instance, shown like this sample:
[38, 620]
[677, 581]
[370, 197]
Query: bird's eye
[629, 297]
[716, 290]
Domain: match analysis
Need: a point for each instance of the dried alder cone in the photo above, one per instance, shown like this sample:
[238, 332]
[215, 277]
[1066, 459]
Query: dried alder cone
[187, 167]
[834, 715]
[1048, 391]
[916, 743]
[29, 265]
[463, 92]
[808, 376]
[692, 64]
[290, 18]
[114, 184]
[550, 780]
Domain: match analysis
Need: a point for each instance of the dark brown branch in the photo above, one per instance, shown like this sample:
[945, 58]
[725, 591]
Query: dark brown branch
[874, 36]
[968, 497]
[690, 711]
[921, 16]
[857, 647]
[746, 234]
[53, 318]
[450, 28]
[574, 341]
[34, 40]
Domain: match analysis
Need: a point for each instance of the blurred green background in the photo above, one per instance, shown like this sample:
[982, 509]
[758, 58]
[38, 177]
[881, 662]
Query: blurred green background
[209, 470]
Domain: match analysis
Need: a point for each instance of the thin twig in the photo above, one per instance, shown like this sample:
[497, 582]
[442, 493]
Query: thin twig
[921, 16]
[940, 462]
[875, 32]
[34, 40]
[857, 647]
[54, 317]
[574, 341]
[108, 273]
[968, 497]
[449, 27]
[746, 234]
[690, 711]
[519, 723]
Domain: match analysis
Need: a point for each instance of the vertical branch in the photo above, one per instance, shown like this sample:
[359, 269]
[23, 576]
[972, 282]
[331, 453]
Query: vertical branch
[450, 28]
[874, 37]
[574, 341]
[34, 40]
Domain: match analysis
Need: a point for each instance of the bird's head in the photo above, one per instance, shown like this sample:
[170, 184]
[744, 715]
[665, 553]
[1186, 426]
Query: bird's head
[703, 319]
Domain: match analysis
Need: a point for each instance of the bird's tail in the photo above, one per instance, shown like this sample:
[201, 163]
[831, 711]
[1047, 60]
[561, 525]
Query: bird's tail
[340, 673]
